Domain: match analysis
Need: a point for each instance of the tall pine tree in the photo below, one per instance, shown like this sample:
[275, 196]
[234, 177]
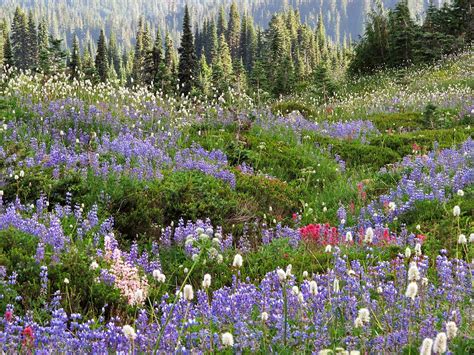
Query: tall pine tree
[187, 56]
[101, 59]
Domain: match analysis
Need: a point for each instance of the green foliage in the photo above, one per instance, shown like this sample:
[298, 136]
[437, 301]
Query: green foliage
[288, 106]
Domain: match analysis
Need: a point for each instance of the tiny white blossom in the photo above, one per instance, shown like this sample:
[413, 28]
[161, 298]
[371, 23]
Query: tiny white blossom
[237, 261]
[407, 252]
[227, 339]
[426, 346]
[281, 275]
[369, 235]
[305, 274]
[206, 283]
[66, 281]
[349, 237]
[129, 332]
[456, 211]
[460, 193]
[328, 248]
[264, 316]
[451, 330]
[188, 292]
[412, 290]
[462, 239]
[440, 344]
[313, 288]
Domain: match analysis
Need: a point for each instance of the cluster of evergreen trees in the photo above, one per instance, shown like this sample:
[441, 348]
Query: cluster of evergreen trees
[394, 39]
[230, 52]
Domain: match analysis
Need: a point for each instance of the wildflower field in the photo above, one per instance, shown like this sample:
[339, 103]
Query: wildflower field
[139, 223]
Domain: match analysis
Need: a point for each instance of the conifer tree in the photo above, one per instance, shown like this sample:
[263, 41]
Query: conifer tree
[221, 23]
[7, 52]
[402, 30]
[32, 40]
[101, 59]
[19, 39]
[187, 56]
[43, 46]
[138, 59]
[57, 56]
[75, 62]
[204, 77]
[157, 57]
[233, 32]
[88, 66]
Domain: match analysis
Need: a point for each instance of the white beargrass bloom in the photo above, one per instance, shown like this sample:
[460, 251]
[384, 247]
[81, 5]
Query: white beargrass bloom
[426, 346]
[456, 211]
[369, 235]
[424, 281]
[440, 344]
[300, 298]
[66, 281]
[94, 265]
[471, 238]
[313, 288]
[305, 274]
[354, 352]
[462, 239]
[413, 272]
[328, 248]
[460, 193]
[188, 292]
[289, 268]
[358, 323]
[129, 332]
[237, 261]
[417, 249]
[281, 275]
[227, 339]
[335, 285]
[392, 206]
[407, 252]
[418, 227]
[348, 237]
[364, 315]
[264, 316]
[206, 282]
[451, 330]
[295, 290]
[412, 290]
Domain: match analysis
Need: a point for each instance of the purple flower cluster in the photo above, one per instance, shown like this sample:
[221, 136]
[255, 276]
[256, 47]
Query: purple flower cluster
[435, 176]
[283, 308]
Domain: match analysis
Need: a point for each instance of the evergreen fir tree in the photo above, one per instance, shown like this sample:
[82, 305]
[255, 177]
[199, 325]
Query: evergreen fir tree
[402, 30]
[221, 23]
[88, 66]
[43, 47]
[233, 32]
[19, 39]
[75, 62]
[57, 56]
[101, 59]
[138, 59]
[187, 56]
[204, 77]
[8, 52]
[32, 40]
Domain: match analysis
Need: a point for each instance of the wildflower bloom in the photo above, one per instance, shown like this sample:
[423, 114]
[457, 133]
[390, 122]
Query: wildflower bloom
[451, 330]
[462, 239]
[426, 346]
[456, 211]
[413, 272]
[305, 274]
[129, 332]
[8, 316]
[412, 290]
[206, 282]
[158, 276]
[188, 292]
[349, 237]
[313, 288]
[369, 235]
[264, 316]
[460, 193]
[227, 339]
[94, 265]
[28, 336]
[281, 275]
[237, 263]
[407, 252]
[440, 344]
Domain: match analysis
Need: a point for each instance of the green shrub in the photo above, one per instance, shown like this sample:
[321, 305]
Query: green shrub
[286, 107]
[400, 121]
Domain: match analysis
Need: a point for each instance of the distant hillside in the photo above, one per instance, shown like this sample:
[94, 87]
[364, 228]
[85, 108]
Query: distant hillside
[343, 18]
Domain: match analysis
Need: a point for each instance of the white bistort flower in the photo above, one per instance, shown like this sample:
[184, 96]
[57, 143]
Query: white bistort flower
[440, 344]
[456, 211]
[206, 282]
[369, 235]
[188, 292]
[129, 332]
[413, 272]
[462, 239]
[227, 339]
[426, 346]
[313, 288]
[451, 329]
[412, 290]
[238, 260]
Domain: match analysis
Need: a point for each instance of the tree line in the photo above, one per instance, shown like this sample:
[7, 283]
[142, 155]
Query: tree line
[230, 53]
[393, 38]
